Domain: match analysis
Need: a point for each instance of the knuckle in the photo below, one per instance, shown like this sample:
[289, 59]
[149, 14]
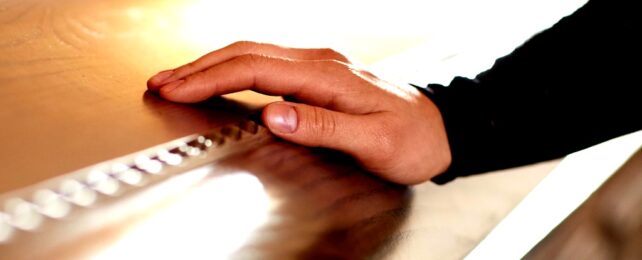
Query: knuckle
[367, 74]
[324, 125]
[332, 54]
[194, 77]
[197, 78]
[250, 60]
[188, 67]
[328, 52]
[243, 45]
[190, 64]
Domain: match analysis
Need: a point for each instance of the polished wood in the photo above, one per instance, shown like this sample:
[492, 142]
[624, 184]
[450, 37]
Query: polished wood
[73, 75]
[271, 199]
[296, 202]
[259, 198]
[73, 94]
[73, 82]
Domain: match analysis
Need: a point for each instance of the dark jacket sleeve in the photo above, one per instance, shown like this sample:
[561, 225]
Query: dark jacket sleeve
[567, 88]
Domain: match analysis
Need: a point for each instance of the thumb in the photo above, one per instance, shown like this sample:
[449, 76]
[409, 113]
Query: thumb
[315, 126]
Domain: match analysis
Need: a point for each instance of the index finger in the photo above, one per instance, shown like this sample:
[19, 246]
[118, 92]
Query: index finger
[237, 49]
[324, 83]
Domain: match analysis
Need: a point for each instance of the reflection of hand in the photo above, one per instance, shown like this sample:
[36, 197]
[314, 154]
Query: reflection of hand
[393, 131]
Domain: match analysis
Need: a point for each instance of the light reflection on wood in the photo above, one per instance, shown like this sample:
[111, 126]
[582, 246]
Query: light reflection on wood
[73, 76]
[73, 72]
[308, 204]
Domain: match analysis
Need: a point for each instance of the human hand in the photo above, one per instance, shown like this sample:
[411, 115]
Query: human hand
[392, 131]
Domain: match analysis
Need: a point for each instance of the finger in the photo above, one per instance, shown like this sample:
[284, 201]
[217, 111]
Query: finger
[327, 84]
[318, 127]
[238, 49]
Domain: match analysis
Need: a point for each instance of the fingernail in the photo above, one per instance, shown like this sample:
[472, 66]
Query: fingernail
[172, 86]
[282, 118]
[162, 76]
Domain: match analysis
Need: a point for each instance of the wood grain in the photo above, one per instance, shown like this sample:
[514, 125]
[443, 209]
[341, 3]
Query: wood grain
[73, 94]
[323, 207]
[73, 88]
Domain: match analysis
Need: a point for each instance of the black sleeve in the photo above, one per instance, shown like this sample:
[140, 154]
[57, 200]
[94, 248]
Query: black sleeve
[567, 88]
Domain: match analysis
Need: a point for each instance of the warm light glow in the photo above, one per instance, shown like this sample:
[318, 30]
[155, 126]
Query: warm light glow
[210, 222]
[206, 24]
[134, 13]
[366, 31]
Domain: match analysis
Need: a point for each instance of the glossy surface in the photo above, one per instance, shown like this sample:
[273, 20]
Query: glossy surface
[73, 81]
[73, 78]
[274, 201]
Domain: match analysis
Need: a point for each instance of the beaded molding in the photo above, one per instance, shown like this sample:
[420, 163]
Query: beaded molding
[30, 208]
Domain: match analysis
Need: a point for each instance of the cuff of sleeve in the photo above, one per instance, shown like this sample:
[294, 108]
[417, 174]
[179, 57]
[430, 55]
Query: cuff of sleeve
[462, 125]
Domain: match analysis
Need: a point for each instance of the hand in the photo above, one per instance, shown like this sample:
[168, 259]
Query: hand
[392, 131]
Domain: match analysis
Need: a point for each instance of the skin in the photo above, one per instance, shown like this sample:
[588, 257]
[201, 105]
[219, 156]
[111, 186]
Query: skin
[393, 131]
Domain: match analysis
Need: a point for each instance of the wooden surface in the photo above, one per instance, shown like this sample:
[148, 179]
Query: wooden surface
[73, 95]
[72, 91]
[73, 77]
[273, 201]
[256, 197]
